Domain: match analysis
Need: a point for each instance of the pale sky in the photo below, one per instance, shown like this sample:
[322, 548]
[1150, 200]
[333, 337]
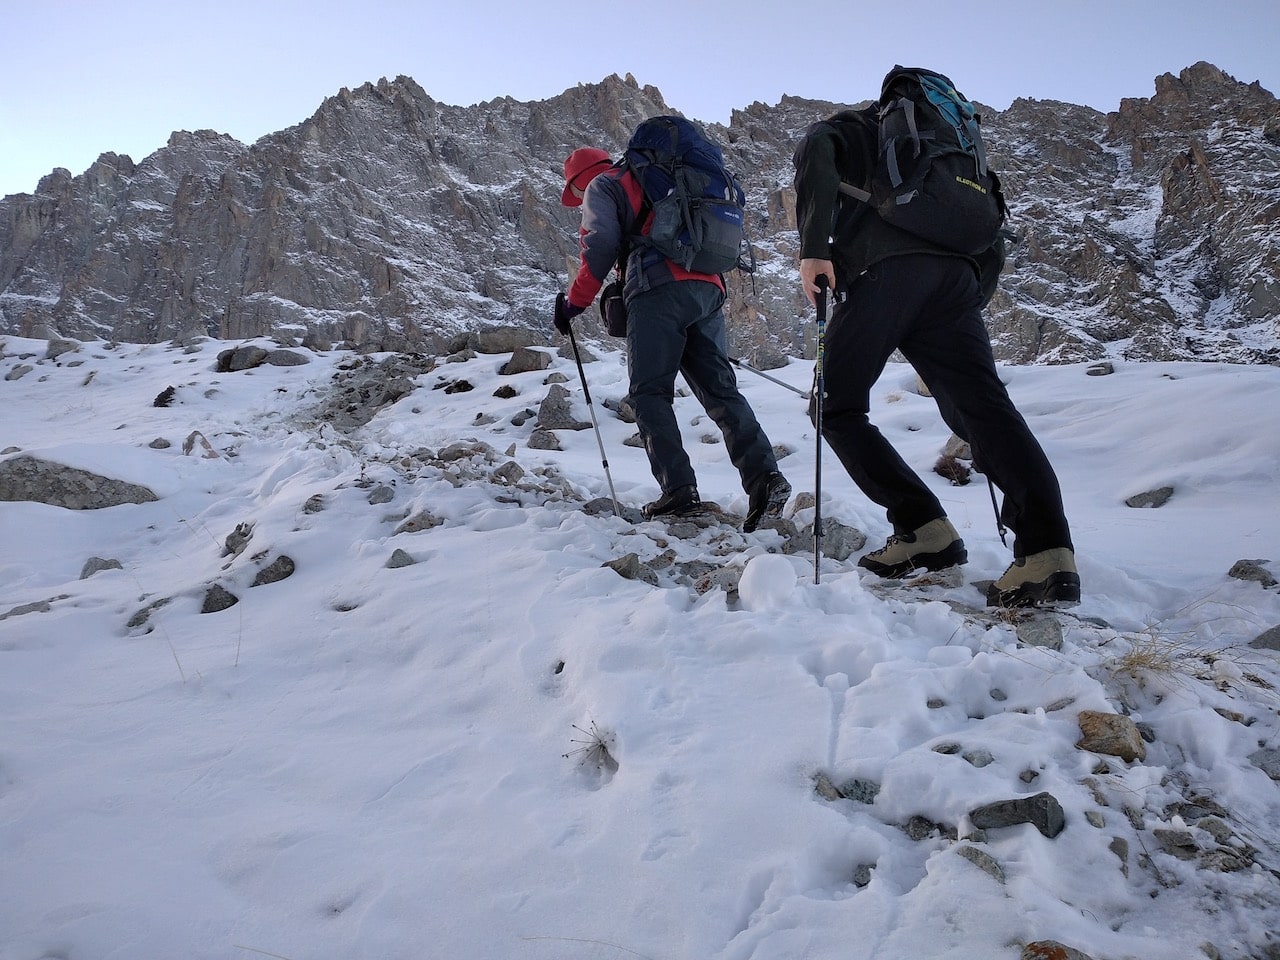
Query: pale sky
[82, 77]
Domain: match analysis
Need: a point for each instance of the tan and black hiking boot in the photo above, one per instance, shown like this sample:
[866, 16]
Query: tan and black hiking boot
[1047, 577]
[934, 546]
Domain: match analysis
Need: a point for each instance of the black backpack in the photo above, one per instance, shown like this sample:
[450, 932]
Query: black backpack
[699, 209]
[931, 177]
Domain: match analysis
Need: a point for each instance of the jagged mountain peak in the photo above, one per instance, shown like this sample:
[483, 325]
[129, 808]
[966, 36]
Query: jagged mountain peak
[388, 220]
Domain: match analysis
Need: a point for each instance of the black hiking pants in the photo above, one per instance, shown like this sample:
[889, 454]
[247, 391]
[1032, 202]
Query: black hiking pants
[678, 327]
[929, 307]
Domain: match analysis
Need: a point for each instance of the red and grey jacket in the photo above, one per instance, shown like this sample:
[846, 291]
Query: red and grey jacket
[611, 207]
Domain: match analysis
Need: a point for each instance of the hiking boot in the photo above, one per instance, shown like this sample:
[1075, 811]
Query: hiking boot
[677, 503]
[768, 497]
[1046, 577]
[932, 547]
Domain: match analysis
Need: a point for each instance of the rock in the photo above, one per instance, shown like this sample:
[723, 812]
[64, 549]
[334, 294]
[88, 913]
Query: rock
[919, 828]
[141, 617]
[399, 559]
[1112, 734]
[22, 609]
[725, 578]
[621, 408]
[630, 567]
[509, 473]
[862, 874]
[1177, 843]
[165, 397]
[979, 758]
[525, 360]
[1051, 950]
[286, 358]
[18, 372]
[824, 788]
[1268, 761]
[1216, 828]
[1151, 498]
[1254, 570]
[240, 358]
[1223, 860]
[1040, 630]
[381, 494]
[1120, 847]
[1042, 811]
[859, 791]
[839, 541]
[237, 539]
[97, 565]
[957, 448]
[1267, 640]
[556, 412]
[57, 346]
[422, 520]
[506, 392]
[466, 450]
[544, 440]
[196, 438]
[983, 861]
[504, 339]
[159, 443]
[217, 599]
[281, 568]
[29, 478]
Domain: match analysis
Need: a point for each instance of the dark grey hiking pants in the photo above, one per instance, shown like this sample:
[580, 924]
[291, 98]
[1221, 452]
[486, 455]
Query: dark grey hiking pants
[929, 307]
[678, 327]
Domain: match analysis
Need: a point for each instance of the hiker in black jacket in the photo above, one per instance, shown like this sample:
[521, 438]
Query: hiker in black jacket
[896, 291]
[676, 325]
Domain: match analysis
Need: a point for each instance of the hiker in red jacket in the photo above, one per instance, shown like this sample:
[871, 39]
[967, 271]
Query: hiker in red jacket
[675, 325]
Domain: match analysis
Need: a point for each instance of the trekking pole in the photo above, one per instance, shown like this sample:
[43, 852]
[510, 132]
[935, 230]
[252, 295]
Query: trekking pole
[760, 373]
[818, 390]
[604, 461]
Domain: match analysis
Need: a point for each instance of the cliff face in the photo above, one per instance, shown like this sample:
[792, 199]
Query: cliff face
[390, 221]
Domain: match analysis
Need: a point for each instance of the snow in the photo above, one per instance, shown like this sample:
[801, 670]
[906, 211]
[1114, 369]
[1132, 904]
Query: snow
[506, 750]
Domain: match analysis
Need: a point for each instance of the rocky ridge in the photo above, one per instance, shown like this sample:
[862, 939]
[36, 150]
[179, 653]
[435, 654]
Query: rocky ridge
[389, 221]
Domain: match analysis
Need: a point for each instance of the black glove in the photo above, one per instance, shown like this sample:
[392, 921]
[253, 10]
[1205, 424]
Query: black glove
[565, 311]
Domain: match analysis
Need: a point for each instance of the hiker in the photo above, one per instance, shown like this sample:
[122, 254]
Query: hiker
[675, 325]
[894, 290]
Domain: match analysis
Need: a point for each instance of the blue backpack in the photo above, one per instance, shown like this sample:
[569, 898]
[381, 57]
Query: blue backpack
[931, 177]
[699, 209]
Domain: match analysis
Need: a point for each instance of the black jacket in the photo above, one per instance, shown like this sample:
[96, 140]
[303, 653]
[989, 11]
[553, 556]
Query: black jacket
[839, 228]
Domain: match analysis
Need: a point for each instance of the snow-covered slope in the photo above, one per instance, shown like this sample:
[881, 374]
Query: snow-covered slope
[363, 760]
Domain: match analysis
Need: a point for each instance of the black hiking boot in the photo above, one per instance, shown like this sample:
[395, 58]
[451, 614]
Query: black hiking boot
[1048, 577]
[678, 503]
[767, 498]
[935, 546]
